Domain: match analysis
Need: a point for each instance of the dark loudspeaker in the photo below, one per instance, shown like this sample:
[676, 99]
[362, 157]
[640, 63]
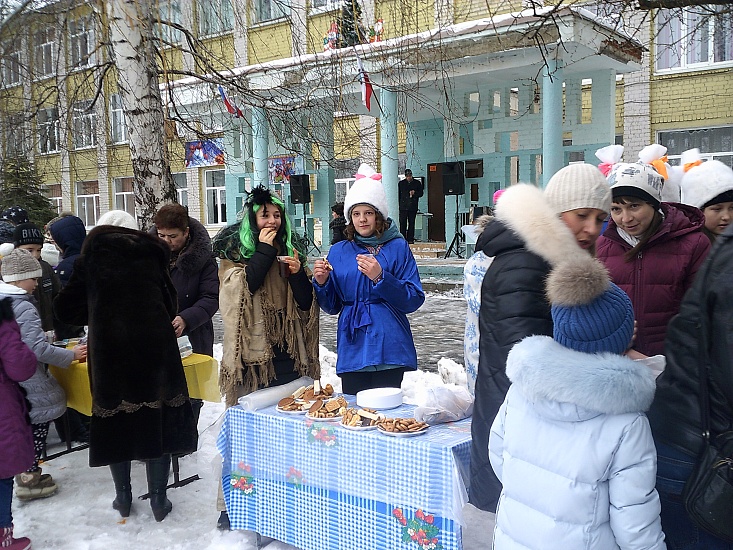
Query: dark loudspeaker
[300, 189]
[452, 174]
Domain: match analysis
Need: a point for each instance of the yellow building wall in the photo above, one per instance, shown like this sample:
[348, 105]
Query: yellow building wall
[171, 60]
[402, 17]
[219, 52]
[346, 137]
[468, 10]
[692, 99]
[269, 42]
[619, 108]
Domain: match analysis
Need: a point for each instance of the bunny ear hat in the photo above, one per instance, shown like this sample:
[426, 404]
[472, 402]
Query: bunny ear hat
[609, 156]
[367, 189]
[705, 183]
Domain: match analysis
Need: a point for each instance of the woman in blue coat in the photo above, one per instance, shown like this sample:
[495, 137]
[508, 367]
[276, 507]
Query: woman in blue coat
[371, 281]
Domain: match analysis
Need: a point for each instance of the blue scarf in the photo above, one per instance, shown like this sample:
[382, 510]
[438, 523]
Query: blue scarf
[390, 233]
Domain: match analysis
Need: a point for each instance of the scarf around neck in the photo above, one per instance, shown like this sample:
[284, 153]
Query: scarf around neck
[390, 233]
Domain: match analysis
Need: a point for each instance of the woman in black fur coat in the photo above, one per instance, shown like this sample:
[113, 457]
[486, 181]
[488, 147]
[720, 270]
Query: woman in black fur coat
[121, 288]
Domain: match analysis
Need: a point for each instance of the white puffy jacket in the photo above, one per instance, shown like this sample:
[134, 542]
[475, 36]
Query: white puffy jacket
[574, 452]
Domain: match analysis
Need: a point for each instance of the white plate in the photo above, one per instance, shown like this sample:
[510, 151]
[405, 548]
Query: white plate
[359, 428]
[379, 398]
[327, 419]
[301, 411]
[402, 434]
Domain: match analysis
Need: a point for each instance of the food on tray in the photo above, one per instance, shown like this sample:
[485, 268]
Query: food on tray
[401, 425]
[290, 404]
[313, 392]
[361, 418]
[332, 408]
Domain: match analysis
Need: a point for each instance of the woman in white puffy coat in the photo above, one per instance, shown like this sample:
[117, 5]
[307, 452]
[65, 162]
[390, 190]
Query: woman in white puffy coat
[571, 443]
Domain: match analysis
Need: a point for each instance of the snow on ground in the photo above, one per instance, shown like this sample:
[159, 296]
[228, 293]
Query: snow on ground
[80, 515]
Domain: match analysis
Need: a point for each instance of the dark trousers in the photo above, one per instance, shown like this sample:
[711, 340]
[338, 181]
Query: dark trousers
[6, 499]
[353, 382]
[673, 469]
[407, 224]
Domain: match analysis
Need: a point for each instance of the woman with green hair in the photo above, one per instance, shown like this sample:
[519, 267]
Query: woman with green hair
[267, 303]
[266, 300]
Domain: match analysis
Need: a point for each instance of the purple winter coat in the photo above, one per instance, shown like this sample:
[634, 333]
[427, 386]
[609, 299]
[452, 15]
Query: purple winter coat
[657, 279]
[17, 363]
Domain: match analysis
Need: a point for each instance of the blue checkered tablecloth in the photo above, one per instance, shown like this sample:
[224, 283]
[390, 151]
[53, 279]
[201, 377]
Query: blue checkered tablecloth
[319, 486]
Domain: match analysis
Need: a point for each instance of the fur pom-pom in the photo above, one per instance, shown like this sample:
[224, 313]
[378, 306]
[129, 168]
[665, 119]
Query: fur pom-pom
[6, 248]
[259, 195]
[577, 282]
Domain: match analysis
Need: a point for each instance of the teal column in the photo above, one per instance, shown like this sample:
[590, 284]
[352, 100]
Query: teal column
[388, 135]
[326, 194]
[260, 131]
[552, 151]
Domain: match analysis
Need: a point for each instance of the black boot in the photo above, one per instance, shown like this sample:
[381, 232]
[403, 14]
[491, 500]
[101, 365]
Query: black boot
[158, 470]
[123, 489]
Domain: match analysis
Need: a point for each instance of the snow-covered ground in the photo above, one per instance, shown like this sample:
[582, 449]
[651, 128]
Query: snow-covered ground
[80, 515]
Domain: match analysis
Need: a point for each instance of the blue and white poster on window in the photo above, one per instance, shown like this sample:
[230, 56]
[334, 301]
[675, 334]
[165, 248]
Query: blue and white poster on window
[204, 152]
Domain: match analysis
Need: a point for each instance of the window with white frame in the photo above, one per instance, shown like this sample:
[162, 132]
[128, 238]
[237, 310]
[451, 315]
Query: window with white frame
[326, 5]
[48, 130]
[117, 127]
[81, 42]
[53, 194]
[11, 64]
[85, 125]
[266, 10]
[216, 197]
[44, 45]
[215, 17]
[169, 12]
[179, 179]
[125, 195]
[15, 135]
[693, 38]
[713, 143]
[87, 202]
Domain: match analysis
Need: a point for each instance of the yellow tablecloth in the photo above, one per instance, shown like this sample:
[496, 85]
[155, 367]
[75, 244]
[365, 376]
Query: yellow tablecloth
[202, 377]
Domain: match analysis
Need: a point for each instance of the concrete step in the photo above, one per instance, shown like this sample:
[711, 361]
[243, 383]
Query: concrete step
[428, 250]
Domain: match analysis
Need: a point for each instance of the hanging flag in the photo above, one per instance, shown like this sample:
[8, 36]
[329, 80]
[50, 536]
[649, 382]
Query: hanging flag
[233, 109]
[366, 86]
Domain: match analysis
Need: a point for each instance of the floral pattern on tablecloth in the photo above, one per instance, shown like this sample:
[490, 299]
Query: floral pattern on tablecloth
[419, 529]
[242, 480]
[321, 433]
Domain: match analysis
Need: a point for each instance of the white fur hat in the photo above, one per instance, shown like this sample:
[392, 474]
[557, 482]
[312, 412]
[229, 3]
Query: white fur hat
[366, 190]
[578, 186]
[120, 218]
[703, 184]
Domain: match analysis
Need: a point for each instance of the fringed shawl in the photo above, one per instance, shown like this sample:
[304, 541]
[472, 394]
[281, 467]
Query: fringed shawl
[255, 324]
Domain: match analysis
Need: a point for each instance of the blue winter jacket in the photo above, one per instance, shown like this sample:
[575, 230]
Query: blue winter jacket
[373, 328]
[69, 233]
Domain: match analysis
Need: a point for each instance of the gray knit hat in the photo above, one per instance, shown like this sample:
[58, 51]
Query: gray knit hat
[19, 265]
[578, 186]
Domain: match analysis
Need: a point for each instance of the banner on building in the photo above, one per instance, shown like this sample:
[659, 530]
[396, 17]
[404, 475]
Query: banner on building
[204, 152]
[281, 167]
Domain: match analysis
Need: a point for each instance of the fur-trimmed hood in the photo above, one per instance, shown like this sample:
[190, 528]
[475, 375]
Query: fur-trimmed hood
[564, 383]
[524, 210]
[198, 250]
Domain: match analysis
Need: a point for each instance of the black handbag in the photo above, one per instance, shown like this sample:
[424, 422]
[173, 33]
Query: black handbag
[708, 494]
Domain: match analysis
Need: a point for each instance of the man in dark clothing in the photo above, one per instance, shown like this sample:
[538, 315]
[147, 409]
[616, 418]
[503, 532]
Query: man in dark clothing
[410, 191]
[337, 223]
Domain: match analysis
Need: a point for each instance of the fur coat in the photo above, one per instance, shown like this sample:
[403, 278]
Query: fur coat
[525, 239]
[122, 289]
[17, 363]
[197, 284]
[574, 452]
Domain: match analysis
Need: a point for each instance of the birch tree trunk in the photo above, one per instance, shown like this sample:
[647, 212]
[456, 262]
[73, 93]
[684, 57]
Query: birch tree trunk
[130, 34]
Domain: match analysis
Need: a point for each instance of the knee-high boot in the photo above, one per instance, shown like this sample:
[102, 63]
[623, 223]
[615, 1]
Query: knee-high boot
[158, 470]
[123, 488]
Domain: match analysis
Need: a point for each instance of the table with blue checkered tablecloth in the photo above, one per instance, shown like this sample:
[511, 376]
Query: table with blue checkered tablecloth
[319, 486]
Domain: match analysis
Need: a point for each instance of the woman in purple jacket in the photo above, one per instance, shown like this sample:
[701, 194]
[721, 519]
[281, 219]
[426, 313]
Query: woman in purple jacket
[17, 364]
[651, 249]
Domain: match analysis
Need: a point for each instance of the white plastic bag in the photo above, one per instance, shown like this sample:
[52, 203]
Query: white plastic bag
[656, 363]
[446, 403]
[270, 396]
